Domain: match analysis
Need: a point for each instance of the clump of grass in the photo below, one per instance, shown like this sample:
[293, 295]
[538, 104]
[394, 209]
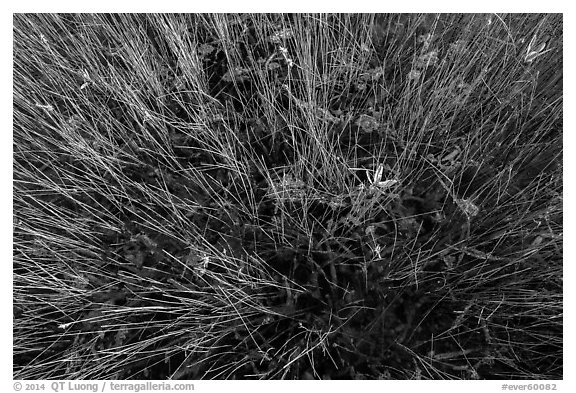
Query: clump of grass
[274, 196]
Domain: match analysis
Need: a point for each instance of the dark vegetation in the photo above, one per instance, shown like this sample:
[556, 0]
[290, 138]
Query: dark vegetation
[287, 196]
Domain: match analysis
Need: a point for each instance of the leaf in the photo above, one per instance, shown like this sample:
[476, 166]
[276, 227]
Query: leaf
[467, 207]
[238, 74]
[46, 107]
[281, 35]
[414, 75]
[378, 174]
[136, 257]
[386, 184]
[367, 123]
[205, 49]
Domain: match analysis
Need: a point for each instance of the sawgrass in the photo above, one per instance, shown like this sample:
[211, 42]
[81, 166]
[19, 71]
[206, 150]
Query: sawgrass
[274, 196]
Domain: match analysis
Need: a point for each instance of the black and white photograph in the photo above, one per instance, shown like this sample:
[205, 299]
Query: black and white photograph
[287, 196]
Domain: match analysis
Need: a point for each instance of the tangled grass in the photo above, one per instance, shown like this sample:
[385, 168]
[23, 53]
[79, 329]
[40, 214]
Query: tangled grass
[287, 196]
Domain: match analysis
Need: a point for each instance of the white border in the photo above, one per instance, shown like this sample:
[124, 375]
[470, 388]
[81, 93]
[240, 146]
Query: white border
[351, 6]
[285, 6]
